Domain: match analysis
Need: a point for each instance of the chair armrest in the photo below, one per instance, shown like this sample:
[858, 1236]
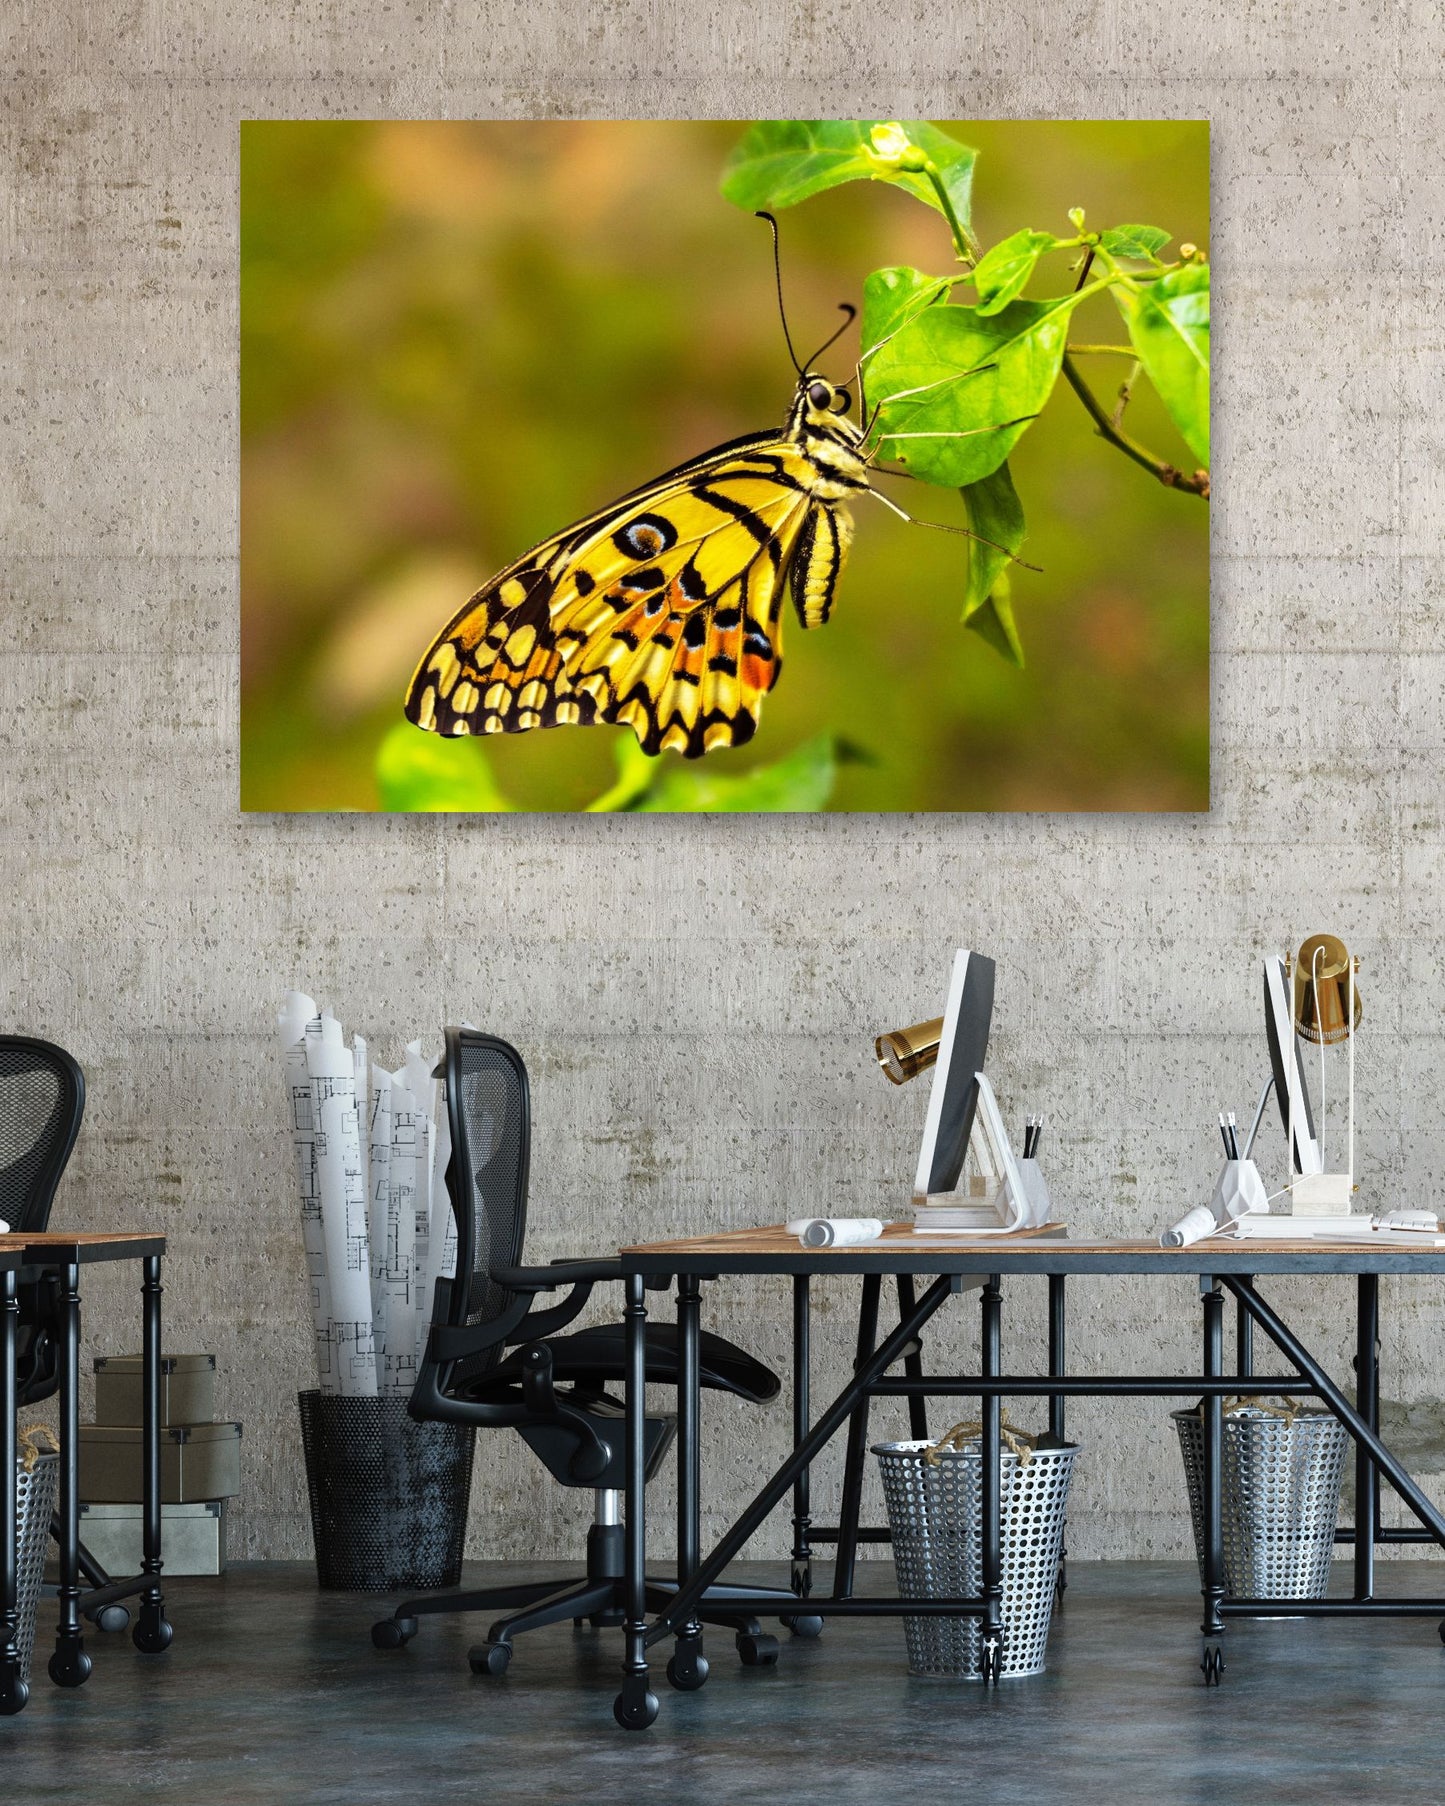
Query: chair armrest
[558, 1273]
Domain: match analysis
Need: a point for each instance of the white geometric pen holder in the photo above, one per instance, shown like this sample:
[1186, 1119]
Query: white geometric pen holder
[1238, 1191]
[1041, 1205]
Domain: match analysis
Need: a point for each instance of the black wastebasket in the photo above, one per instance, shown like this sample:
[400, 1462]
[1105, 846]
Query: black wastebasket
[388, 1495]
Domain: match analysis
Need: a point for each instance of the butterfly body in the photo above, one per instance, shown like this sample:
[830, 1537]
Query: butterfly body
[662, 612]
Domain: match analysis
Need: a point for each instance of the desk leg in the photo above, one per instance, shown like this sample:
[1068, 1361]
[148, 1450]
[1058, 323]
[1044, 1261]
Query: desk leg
[13, 1691]
[1367, 1401]
[802, 1488]
[843, 1568]
[1212, 1627]
[70, 1665]
[687, 1667]
[990, 1483]
[152, 1631]
[636, 1705]
[1058, 1356]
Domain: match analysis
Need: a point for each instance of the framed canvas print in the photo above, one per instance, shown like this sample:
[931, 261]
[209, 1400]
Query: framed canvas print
[644, 467]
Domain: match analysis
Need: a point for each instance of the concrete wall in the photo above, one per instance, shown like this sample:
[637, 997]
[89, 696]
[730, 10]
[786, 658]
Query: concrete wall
[697, 996]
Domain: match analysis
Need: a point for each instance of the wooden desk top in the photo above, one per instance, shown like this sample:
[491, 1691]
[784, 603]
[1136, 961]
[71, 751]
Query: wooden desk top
[901, 1250]
[78, 1250]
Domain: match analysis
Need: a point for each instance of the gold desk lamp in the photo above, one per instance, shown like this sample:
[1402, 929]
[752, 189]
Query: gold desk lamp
[1327, 1011]
[905, 1052]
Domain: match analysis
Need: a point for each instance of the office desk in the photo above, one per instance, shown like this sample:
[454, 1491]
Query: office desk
[25, 1256]
[953, 1263]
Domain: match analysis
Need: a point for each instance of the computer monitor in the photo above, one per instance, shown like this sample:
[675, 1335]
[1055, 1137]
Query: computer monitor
[1290, 1089]
[953, 1098]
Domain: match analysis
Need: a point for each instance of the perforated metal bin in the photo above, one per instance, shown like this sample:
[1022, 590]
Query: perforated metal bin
[35, 1494]
[1281, 1497]
[935, 1514]
[388, 1495]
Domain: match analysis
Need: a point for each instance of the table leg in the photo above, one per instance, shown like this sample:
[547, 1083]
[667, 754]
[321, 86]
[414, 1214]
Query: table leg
[1212, 1626]
[152, 1631]
[636, 1705]
[1243, 1338]
[802, 1576]
[846, 1564]
[1058, 1357]
[990, 1483]
[687, 1667]
[1367, 1395]
[69, 1665]
[13, 1691]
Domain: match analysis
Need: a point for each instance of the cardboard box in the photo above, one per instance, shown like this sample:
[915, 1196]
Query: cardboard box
[193, 1537]
[199, 1462]
[188, 1389]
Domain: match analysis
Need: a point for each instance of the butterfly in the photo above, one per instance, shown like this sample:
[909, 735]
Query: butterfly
[664, 611]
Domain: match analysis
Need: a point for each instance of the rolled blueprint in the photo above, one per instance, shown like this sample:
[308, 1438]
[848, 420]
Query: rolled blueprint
[1193, 1228]
[835, 1232]
[341, 1183]
[417, 1077]
[298, 1020]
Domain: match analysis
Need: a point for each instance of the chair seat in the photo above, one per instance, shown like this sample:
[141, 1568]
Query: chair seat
[600, 1354]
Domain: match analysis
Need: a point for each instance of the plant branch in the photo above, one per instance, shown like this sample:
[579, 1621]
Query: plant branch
[1167, 474]
[1102, 351]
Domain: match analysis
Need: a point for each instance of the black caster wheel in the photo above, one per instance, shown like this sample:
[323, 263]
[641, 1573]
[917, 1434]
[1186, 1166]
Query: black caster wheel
[393, 1633]
[13, 1696]
[70, 1667]
[490, 1658]
[687, 1668]
[757, 1651]
[635, 1708]
[1442, 1631]
[806, 1624]
[1212, 1665]
[152, 1632]
[111, 1618]
[992, 1662]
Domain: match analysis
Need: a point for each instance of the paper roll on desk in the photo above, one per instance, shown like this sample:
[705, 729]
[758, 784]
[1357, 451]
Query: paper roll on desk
[1238, 1192]
[835, 1232]
[1192, 1228]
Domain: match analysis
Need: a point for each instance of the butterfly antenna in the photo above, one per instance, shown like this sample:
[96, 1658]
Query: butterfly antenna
[851, 313]
[778, 277]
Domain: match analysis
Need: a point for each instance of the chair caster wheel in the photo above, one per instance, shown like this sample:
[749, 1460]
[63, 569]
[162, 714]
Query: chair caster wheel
[14, 1694]
[1213, 1664]
[153, 1631]
[70, 1667]
[111, 1618]
[757, 1651]
[393, 1633]
[490, 1658]
[806, 1624]
[992, 1663]
[687, 1670]
[635, 1709]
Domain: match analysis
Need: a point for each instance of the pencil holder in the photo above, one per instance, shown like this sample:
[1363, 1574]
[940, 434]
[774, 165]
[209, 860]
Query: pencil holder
[1036, 1188]
[1238, 1191]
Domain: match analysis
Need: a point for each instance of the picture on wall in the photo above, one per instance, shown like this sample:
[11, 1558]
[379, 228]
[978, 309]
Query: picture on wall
[605, 466]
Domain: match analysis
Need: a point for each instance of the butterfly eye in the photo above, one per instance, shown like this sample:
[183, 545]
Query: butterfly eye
[842, 401]
[820, 395]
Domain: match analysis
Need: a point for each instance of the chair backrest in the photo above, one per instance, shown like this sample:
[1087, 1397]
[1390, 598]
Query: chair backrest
[42, 1099]
[490, 1112]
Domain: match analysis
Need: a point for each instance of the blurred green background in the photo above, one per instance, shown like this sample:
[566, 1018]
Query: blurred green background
[458, 337]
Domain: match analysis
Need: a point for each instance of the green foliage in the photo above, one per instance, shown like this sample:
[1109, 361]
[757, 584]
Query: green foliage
[783, 161]
[954, 385]
[1169, 327]
[423, 773]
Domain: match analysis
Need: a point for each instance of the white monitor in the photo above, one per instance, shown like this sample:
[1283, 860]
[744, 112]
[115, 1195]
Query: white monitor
[953, 1098]
[1290, 1090]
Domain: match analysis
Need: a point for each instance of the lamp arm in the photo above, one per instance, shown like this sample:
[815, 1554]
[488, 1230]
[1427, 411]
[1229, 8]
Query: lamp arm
[1259, 1118]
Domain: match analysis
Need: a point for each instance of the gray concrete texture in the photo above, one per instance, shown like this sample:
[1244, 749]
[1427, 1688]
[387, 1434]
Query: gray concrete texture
[697, 997]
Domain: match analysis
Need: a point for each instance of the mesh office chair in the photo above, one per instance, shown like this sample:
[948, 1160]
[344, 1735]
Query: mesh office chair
[552, 1392]
[42, 1100]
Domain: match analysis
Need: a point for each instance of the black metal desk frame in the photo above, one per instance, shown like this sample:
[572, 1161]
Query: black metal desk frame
[26, 1257]
[1220, 1268]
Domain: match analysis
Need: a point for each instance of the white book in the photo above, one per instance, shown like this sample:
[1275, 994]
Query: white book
[1327, 1228]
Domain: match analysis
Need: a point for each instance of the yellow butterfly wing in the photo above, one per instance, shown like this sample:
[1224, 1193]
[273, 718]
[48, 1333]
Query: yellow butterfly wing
[661, 613]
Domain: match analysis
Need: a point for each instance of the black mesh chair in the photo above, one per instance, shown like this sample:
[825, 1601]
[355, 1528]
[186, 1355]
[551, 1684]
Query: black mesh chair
[42, 1101]
[494, 1360]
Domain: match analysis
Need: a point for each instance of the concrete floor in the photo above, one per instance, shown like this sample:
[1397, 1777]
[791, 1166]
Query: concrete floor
[272, 1693]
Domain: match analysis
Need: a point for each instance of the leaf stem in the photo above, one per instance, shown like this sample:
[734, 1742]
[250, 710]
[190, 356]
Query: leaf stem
[1167, 474]
[964, 243]
[1102, 351]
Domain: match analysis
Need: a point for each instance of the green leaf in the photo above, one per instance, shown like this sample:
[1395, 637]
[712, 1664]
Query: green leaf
[1001, 273]
[422, 772]
[996, 513]
[958, 389]
[1134, 241]
[894, 295]
[994, 622]
[1168, 323]
[780, 162]
[803, 780]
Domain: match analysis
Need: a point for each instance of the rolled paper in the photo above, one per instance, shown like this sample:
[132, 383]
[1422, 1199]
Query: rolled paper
[341, 1185]
[4, 1227]
[835, 1232]
[1193, 1228]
